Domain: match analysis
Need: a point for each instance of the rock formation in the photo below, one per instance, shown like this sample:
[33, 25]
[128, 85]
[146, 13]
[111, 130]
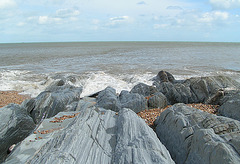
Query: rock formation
[134, 101]
[104, 127]
[52, 101]
[94, 135]
[108, 99]
[195, 90]
[193, 136]
[15, 125]
[144, 89]
[230, 104]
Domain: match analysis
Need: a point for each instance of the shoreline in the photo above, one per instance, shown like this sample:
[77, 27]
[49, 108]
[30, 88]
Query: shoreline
[7, 97]
[149, 115]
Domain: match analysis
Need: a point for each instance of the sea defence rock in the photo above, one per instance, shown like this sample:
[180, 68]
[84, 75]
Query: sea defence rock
[159, 100]
[144, 89]
[196, 89]
[52, 101]
[164, 76]
[94, 135]
[194, 136]
[230, 104]
[176, 93]
[134, 101]
[108, 99]
[15, 125]
[205, 87]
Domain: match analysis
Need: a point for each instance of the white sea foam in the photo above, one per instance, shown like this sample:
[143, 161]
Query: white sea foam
[23, 81]
[33, 84]
[100, 80]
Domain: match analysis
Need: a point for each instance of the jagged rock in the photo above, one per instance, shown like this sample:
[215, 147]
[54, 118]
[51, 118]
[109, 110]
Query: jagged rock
[94, 136]
[230, 106]
[85, 102]
[51, 102]
[197, 89]
[55, 85]
[193, 136]
[15, 125]
[72, 106]
[133, 101]
[164, 76]
[214, 99]
[159, 100]
[177, 93]
[205, 87]
[144, 89]
[108, 99]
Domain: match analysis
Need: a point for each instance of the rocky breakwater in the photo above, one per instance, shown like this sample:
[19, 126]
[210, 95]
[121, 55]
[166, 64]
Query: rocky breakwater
[194, 136]
[104, 127]
[92, 135]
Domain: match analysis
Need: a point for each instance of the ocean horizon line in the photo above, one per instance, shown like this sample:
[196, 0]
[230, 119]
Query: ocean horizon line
[39, 42]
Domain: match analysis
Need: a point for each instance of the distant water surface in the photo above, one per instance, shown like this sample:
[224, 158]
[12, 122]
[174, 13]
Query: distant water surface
[29, 67]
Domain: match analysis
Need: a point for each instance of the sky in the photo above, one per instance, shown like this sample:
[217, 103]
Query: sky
[119, 20]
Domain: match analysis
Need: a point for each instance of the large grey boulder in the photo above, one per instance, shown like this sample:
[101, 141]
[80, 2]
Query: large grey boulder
[164, 76]
[205, 87]
[133, 101]
[144, 89]
[108, 99]
[15, 125]
[95, 135]
[194, 136]
[230, 105]
[177, 93]
[159, 100]
[52, 101]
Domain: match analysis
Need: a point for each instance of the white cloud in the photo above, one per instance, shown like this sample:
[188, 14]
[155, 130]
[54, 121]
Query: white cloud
[225, 4]
[20, 24]
[174, 8]
[63, 13]
[95, 21]
[209, 17]
[7, 4]
[158, 26]
[43, 19]
[141, 3]
[48, 20]
[119, 20]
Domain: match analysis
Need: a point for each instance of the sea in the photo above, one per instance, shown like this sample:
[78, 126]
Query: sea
[30, 67]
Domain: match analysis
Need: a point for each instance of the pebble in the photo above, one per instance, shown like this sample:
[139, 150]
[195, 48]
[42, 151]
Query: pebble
[150, 115]
[7, 97]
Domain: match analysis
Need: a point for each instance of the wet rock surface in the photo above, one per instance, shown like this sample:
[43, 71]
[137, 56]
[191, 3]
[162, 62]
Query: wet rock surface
[191, 135]
[15, 125]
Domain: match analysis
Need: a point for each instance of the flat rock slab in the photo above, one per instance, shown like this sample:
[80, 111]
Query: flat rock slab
[194, 136]
[92, 135]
